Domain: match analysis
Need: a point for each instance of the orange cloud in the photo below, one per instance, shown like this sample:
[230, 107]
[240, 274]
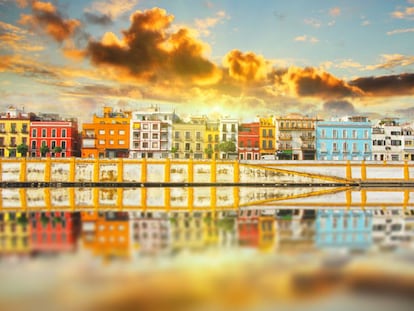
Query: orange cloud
[312, 82]
[246, 67]
[47, 18]
[147, 51]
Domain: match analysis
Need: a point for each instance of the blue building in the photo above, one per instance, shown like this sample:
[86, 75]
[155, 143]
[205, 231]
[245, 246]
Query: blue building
[346, 139]
[349, 229]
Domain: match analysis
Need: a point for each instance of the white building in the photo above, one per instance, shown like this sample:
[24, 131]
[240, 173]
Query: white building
[151, 133]
[229, 132]
[392, 142]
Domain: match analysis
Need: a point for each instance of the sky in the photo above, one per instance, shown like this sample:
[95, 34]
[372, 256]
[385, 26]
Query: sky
[243, 59]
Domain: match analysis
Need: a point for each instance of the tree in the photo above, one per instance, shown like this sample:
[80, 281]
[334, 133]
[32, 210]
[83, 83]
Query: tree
[22, 149]
[209, 152]
[43, 150]
[57, 149]
[227, 146]
[22, 219]
[174, 151]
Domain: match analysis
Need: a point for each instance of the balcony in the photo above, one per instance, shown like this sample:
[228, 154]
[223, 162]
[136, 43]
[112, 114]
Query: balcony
[307, 147]
[25, 131]
[307, 137]
[285, 137]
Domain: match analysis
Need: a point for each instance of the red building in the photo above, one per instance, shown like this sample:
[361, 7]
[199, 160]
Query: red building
[248, 228]
[54, 231]
[60, 136]
[248, 139]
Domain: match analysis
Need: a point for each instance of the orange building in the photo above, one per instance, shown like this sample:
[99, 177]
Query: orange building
[107, 136]
[106, 234]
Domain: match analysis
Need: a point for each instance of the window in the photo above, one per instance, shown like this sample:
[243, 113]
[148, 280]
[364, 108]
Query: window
[224, 128]
[144, 145]
[43, 132]
[121, 142]
[354, 134]
[323, 147]
[344, 134]
[233, 127]
[64, 133]
[63, 144]
[144, 135]
[187, 135]
[323, 133]
[177, 135]
[264, 133]
[145, 126]
[270, 144]
[366, 147]
[264, 145]
[101, 132]
[198, 147]
[33, 144]
[34, 132]
[154, 135]
[102, 142]
[44, 143]
[121, 132]
[334, 147]
[53, 132]
[270, 133]
[354, 147]
[345, 147]
[335, 134]
[155, 127]
[365, 133]
[111, 142]
[187, 147]
[198, 135]
[154, 145]
[111, 132]
[53, 145]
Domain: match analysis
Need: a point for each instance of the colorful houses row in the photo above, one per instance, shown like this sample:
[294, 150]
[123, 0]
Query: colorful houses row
[115, 234]
[151, 133]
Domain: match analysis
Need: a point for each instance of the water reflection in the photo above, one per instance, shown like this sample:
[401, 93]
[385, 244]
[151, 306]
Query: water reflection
[250, 258]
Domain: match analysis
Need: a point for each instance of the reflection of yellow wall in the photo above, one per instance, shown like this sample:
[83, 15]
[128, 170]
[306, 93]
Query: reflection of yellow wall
[267, 233]
[210, 230]
[14, 238]
[187, 231]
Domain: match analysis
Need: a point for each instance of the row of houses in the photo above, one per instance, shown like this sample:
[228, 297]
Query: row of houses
[151, 133]
[126, 234]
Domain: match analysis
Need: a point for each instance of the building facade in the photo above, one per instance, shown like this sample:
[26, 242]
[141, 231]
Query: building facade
[228, 133]
[392, 142]
[151, 133]
[14, 131]
[107, 136]
[55, 137]
[188, 139]
[267, 130]
[295, 136]
[249, 140]
[212, 139]
[346, 139]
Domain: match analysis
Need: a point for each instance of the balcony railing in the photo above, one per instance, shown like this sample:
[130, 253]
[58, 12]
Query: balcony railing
[307, 137]
[285, 137]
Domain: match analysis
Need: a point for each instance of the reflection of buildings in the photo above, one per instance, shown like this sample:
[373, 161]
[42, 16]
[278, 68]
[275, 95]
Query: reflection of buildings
[187, 231]
[14, 234]
[295, 230]
[248, 227]
[149, 232]
[54, 231]
[388, 228]
[106, 233]
[349, 229]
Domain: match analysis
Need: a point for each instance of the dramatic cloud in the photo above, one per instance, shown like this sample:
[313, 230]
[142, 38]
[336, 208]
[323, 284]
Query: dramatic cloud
[46, 17]
[339, 108]
[15, 39]
[98, 19]
[312, 82]
[148, 52]
[246, 67]
[392, 85]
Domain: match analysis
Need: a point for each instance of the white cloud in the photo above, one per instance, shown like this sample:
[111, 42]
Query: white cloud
[313, 22]
[306, 38]
[389, 61]
[203, 25]
[113, 8]
[398, 31]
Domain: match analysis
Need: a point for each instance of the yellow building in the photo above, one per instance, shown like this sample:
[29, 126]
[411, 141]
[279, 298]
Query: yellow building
[188, 139]
[267, 143]
[187, 231]
[14, 233]
[107, 136]
[14, 131]
[267, 233]
[212, 139]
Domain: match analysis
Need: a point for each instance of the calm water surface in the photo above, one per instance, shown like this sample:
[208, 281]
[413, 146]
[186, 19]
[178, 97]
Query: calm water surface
[265, 256]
